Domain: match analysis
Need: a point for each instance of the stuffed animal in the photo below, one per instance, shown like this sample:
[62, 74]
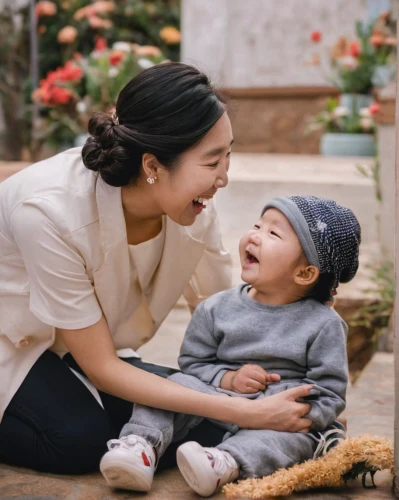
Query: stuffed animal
[350, 458]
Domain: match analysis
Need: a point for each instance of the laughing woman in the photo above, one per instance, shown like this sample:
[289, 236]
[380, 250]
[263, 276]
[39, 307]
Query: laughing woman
[96, 246]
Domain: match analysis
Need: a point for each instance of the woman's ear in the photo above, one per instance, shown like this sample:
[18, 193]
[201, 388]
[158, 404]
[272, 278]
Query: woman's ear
[150, 165]
[306, 276]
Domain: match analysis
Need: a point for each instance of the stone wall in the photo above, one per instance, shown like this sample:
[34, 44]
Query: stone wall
[275, 121]
[261, 43]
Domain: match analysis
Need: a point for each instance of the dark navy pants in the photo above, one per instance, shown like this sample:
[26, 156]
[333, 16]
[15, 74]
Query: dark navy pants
[54, 423]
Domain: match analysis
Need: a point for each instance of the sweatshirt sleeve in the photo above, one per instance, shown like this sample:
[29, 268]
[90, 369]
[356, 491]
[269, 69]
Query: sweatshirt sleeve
[328, 372]
[198, 354]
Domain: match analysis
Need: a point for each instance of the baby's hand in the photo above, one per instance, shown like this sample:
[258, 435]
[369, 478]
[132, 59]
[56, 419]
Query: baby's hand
[248, 379]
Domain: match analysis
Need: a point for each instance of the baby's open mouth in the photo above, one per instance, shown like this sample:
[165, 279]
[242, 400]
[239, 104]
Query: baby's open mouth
[251, 259]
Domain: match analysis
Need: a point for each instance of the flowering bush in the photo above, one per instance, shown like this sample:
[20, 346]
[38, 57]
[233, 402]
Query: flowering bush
[339, 119]
[353, 62]
[69, 26]
[70, 94]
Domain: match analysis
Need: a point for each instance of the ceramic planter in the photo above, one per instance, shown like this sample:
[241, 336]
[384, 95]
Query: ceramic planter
[355, 102]
[347, 145]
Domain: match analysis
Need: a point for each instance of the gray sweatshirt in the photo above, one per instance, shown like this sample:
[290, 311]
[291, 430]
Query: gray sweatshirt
[304, 342]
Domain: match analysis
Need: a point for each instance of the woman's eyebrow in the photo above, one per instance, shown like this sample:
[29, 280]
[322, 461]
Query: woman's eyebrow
[216, 151]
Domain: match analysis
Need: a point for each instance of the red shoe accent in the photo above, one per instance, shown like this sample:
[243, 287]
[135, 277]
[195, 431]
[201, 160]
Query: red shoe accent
[145, 459]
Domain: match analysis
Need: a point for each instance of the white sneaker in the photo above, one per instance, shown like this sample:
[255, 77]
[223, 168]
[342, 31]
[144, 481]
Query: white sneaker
[129, 464]
[205, 469]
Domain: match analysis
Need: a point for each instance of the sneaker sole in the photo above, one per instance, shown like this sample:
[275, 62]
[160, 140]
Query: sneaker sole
[193, 479]
[118, 476]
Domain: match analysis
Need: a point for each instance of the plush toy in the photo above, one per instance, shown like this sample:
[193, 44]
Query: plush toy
[350, 458]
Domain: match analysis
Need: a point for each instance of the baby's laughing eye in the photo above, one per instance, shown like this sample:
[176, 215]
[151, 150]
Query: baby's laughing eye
[274, 234]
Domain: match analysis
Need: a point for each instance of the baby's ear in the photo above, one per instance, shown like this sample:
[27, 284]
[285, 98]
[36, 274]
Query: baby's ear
[306, 276]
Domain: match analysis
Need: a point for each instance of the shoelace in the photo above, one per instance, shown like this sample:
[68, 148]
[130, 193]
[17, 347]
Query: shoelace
[221, 460]
[134, 444]
[325, 444]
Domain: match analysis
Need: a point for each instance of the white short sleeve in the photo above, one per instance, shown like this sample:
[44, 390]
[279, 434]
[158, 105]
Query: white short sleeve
[61, 293]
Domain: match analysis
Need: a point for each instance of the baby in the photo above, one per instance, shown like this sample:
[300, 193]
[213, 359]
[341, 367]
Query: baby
[260, 338]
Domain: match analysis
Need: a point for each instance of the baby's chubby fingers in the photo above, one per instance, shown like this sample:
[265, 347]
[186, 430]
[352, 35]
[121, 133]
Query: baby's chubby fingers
[262, 376]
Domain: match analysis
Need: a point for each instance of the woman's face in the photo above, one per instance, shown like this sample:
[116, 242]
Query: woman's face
[182, 194]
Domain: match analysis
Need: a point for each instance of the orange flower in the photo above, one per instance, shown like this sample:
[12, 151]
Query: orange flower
[374, 108]
[146, 50]
[101, 43]
[97, 22]
[116, 57]
[354, 49]
[67, 35]
[45, 8]
[377, 40]
[87, 11]
[170, 35]
[315, 36]
[102, 6]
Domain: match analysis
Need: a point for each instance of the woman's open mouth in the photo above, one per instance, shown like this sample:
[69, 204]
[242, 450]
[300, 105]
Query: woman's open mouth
[199, 204]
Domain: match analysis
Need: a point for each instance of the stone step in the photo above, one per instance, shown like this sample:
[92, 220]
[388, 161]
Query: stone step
[255, 178]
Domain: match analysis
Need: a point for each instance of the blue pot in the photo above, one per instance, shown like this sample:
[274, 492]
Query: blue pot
[355, 102]
[347, 145]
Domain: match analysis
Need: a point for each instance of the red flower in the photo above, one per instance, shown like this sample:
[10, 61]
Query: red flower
[315, 36]
[374, 108]
[59, 95]
[101, 43]
[354, 49]
[70, 72]
[116, 57]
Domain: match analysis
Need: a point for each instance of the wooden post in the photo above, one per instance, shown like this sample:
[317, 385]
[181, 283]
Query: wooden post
[395, 13]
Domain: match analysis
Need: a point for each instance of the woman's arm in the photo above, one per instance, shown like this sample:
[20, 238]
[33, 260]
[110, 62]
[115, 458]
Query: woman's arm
[94, 352]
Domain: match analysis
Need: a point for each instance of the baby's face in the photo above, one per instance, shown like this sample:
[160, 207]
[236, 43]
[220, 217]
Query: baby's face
[270, 252]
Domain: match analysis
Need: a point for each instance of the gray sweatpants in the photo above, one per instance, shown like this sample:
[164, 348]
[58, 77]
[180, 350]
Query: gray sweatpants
[258, 452]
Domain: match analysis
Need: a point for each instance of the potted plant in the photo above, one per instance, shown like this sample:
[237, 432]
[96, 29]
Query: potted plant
[353, 64]
[383, 39]
[347, 133]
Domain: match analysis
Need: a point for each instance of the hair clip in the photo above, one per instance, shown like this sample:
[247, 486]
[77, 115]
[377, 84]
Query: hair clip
[115, 119]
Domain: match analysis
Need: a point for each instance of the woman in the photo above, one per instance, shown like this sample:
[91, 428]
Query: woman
[96, 246]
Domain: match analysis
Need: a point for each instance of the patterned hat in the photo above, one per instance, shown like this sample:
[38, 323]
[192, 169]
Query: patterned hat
[329, 233]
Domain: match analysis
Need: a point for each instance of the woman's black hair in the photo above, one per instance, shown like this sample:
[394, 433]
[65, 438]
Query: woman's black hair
[322, 289]
[165, 110]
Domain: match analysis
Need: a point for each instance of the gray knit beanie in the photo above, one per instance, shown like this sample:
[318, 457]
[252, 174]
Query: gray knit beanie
[329, 233]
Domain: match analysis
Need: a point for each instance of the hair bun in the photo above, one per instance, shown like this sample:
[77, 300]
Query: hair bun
[103, 152]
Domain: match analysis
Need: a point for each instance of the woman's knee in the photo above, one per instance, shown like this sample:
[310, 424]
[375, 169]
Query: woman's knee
[78, 449]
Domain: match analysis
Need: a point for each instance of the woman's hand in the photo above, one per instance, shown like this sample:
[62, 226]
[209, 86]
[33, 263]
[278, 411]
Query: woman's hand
[280, 412]
[249, 379]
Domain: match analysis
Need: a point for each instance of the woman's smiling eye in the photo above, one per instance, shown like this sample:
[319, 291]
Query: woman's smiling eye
[256, 226]
[214, 164]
